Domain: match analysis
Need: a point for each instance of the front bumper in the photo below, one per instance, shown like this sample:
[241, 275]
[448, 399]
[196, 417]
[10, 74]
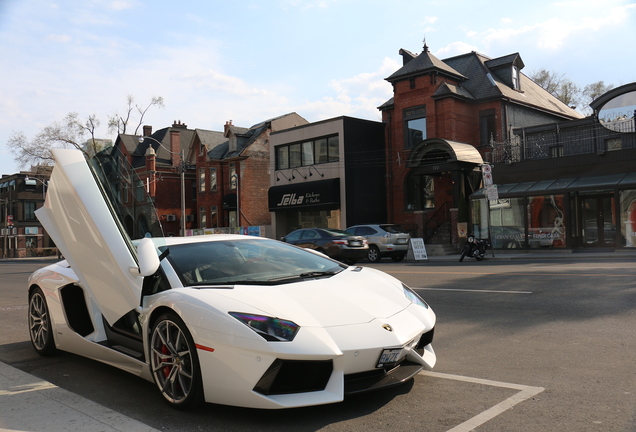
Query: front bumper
[320, 366]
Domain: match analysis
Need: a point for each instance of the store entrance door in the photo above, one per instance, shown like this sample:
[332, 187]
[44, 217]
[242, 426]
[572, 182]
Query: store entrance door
[598, 222]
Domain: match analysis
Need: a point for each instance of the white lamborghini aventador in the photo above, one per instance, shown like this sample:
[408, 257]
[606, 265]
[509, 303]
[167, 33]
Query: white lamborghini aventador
[226, 319]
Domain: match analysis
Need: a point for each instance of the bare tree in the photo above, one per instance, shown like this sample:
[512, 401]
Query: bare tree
[558, 86]
[69, 133]
[119, 122]
[547, 80]
[594, 90]
[72, 132]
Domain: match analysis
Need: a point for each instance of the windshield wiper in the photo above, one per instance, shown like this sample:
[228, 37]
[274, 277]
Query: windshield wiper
[306, 275]
[313, 274]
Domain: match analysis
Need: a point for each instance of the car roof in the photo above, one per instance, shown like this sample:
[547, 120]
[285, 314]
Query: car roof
[170, 241]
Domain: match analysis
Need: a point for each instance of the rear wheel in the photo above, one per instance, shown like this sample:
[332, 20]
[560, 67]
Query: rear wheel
[374, 254]
[40, 328]
[174, 362]
[398, 258]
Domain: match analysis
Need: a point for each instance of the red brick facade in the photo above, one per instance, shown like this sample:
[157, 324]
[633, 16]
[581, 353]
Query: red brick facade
[467, 99]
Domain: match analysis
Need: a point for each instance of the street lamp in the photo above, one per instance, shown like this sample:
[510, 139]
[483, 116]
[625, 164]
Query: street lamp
[181, 168]
[238, 199]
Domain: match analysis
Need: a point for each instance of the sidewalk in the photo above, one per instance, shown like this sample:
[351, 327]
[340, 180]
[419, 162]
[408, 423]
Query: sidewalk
[28, 403]
[530, 254]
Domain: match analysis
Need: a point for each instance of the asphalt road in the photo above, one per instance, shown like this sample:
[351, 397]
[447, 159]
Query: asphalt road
[522, 345]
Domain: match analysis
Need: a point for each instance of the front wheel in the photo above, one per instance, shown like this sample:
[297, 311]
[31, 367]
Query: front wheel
[374, 254]
[40, 328]
[174, 362]
[461, 257]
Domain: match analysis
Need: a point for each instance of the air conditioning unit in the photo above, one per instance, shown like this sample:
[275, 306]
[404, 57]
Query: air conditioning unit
[171, 218]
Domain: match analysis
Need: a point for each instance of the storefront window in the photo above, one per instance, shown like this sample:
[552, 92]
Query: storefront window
[628, 217]
[507, 224]
[546, 221]
[479, 219]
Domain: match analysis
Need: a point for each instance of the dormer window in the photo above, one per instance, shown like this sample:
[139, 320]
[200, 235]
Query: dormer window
[515, 78]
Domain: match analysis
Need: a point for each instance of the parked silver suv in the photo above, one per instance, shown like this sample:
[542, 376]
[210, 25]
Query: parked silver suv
[384, 240]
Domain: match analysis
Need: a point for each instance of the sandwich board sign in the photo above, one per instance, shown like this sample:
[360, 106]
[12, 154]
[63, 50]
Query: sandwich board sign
[417, 250]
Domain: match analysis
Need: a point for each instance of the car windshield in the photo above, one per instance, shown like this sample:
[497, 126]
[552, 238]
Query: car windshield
[250, 261]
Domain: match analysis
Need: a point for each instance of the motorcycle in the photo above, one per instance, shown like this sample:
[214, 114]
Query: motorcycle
[474, 248]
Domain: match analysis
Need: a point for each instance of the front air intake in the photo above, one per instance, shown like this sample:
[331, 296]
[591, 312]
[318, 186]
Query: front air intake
[295, 376]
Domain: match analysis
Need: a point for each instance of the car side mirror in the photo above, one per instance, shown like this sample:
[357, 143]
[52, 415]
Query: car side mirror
[148, 258]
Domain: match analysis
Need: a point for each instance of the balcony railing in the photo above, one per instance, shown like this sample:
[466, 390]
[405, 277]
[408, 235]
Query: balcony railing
[565, 139]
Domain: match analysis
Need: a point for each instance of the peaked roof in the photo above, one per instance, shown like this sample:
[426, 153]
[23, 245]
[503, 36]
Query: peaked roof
[483, 83]
[137, 146]
[478, 78]
[421, 64]
[245, 137]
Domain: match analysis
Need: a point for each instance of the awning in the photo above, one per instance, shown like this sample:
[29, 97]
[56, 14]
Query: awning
[307, 194]
[549, 187]
[437, 150]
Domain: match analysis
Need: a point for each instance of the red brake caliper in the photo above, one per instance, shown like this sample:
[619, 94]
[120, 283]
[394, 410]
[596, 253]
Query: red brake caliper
[166, 369]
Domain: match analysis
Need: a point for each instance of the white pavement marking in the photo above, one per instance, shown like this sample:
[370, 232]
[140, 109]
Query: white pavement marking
[477, 291]
[525, 393]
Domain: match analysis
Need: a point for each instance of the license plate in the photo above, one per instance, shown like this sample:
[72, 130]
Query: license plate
[355, 243]
[401, 241]
[391, 356]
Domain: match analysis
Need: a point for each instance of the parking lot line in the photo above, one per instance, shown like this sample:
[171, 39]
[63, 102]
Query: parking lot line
[525, 393]
[471, 290]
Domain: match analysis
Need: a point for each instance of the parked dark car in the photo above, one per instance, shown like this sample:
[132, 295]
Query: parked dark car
[334, 243]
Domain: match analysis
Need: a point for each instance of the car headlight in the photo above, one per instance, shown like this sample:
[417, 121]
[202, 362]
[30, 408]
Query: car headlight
[414, 297]
[270, 329]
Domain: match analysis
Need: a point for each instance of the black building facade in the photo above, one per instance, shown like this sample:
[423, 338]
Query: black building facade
[327, 174]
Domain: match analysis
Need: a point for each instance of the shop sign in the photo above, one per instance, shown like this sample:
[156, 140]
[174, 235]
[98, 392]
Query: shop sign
[291, 199]
[417, 249]
[318, 193]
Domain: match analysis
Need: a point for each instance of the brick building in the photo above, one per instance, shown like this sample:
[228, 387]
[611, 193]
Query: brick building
[21, 234]
[441, 125]
[161, 167]
[233, 172]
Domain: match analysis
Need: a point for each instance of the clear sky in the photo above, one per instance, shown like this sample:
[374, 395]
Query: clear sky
[251, 60]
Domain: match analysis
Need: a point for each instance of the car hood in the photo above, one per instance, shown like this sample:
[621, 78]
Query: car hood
[354, 296]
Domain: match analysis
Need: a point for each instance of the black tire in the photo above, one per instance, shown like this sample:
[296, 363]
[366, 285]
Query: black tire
[40, 327]
[479, 257]
[461, 257]
[174, 362]
[374, 254]
[398, 258]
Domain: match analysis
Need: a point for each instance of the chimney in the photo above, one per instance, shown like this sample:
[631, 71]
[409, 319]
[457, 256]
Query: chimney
[228, 124]
[175, 147]
[147, 130]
